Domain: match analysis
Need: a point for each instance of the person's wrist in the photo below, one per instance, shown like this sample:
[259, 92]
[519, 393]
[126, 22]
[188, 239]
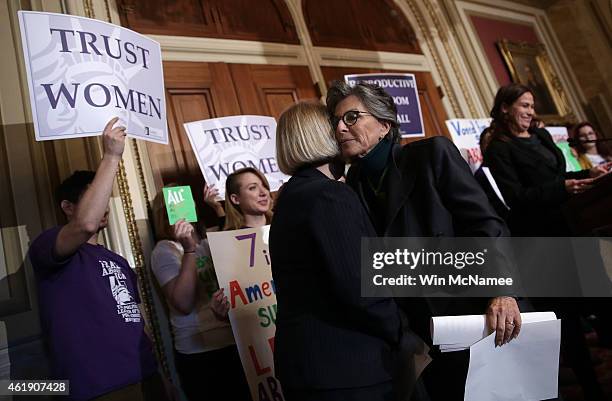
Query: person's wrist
[219, 316]
[111, 157]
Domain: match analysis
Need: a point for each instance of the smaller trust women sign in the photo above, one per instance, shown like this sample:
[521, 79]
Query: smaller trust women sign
[403, 89]
[82, 72]
[224, 145]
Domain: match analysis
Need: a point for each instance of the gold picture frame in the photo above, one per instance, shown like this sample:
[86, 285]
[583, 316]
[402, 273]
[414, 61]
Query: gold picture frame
[529, 65]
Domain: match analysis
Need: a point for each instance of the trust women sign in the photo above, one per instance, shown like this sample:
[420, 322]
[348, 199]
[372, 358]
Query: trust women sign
[226, 144]
[81, 72]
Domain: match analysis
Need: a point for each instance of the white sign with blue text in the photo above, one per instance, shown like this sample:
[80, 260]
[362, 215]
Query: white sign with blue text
[466, 136]
[224, 145]
[82, 72]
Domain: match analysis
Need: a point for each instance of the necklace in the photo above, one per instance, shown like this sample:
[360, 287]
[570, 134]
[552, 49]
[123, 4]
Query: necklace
[378, 188]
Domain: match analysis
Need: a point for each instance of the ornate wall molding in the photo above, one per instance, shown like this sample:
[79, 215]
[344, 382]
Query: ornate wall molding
[183, 48]
[427, 35]
[328, 56]
[297, 13]
[481, 73]
[444, 28]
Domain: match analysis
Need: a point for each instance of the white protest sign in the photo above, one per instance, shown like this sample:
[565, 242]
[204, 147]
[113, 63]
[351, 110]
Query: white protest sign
[242, 265]
[223, 145]
[82, 72]
[466, 136]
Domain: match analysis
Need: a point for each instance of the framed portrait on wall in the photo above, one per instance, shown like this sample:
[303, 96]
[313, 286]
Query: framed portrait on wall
[529, 65]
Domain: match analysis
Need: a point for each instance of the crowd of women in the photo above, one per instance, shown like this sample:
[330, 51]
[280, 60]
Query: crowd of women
[339, 345]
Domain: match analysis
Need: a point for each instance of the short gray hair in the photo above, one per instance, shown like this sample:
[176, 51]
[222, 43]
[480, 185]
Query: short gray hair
[375, 99]
[304, 136]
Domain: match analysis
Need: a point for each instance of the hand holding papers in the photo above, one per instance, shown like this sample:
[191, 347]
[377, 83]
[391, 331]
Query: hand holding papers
[530, 363]
[456, 333]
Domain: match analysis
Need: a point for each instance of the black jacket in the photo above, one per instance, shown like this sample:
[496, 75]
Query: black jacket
[432, 193]
[533, 188]
[327, 336]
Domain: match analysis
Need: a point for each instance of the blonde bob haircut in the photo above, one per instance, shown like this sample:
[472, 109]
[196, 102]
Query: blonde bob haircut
[304, 136]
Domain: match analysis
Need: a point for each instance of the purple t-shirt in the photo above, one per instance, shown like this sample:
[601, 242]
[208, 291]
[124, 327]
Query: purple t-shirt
[89, 313]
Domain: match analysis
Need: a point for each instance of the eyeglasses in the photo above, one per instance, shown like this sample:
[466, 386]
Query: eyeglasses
[349, 118]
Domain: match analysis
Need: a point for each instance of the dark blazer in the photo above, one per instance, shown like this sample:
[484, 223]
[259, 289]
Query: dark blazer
[533, 188]
[431, 193]
[327, 335]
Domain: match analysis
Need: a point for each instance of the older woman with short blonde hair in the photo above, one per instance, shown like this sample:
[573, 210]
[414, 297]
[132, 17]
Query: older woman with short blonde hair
[326, 333]
[301, 137]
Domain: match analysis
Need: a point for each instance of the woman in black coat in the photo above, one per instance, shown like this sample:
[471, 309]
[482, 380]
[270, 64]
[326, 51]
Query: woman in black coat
[331, 344]
[530, 172]
[529, 168]
[423, 189]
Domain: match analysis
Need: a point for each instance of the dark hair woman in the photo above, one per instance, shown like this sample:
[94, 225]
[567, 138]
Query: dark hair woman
[530, 172]
[590, 154]
[529, 168]
[206, 356]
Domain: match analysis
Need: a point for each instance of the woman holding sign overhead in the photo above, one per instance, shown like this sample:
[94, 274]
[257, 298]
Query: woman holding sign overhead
[331, 344]
[205, 352]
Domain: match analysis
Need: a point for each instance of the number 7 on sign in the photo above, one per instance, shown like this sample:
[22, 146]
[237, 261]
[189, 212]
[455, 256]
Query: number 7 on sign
[252, 237]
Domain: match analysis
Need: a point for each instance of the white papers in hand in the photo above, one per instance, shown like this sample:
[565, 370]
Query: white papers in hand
[525, 369]
[456, 333]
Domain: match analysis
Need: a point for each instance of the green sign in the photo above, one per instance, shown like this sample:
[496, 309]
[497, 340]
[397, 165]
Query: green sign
[180, 204]
[570, 161]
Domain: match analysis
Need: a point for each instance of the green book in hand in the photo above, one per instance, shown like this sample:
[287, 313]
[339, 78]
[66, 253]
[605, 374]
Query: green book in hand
[180, 204]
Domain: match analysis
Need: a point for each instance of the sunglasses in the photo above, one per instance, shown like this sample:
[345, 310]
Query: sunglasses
[349, 118]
